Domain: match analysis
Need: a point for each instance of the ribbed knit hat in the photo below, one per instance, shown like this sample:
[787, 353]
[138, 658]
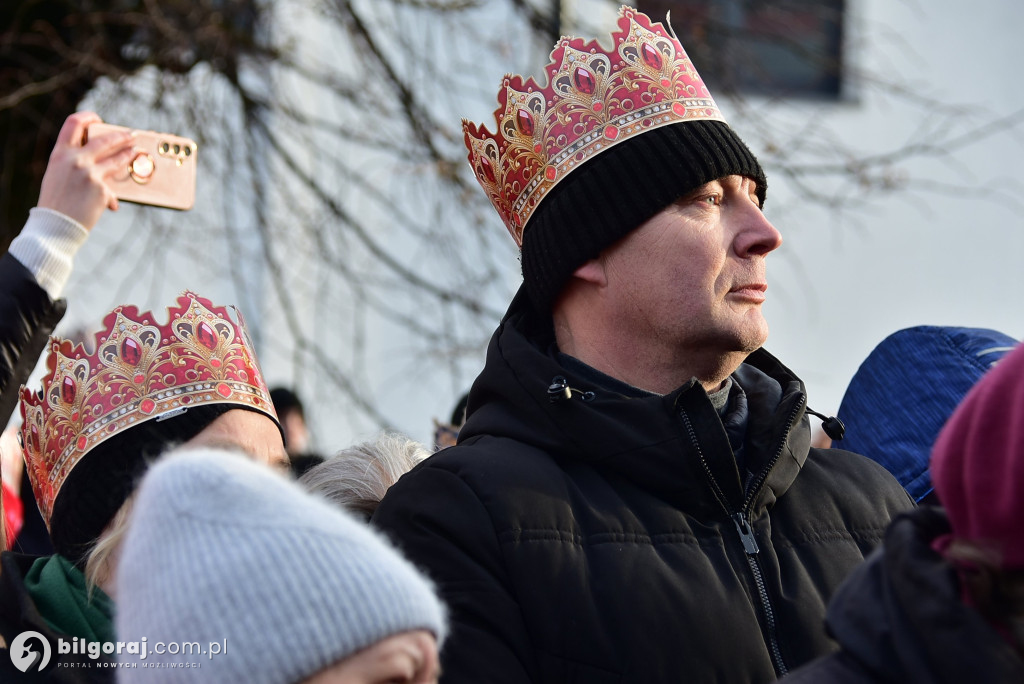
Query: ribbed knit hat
[615, 192]
[978, 462]
[221, 548]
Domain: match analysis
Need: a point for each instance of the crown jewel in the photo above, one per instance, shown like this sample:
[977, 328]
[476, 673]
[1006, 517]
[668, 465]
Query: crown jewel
[140, 371]
[593, 99]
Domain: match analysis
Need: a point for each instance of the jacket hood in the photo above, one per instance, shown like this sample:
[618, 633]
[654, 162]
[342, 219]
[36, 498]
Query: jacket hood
[900, 615]
[906, 389]
[595, 425]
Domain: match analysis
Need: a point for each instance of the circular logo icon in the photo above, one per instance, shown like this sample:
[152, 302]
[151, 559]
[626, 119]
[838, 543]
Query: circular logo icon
[30, 652]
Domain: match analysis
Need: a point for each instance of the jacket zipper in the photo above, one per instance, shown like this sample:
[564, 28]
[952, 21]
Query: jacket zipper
[750, 546]
[746, 533]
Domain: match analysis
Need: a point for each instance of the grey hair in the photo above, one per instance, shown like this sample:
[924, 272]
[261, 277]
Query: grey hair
[356, 478]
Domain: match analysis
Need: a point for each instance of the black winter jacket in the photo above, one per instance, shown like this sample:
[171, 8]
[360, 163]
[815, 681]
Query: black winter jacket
[602, 538]
[27, 317]
[899, 618]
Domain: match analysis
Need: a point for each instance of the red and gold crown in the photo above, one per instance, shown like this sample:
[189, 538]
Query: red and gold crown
[593, 99]
[140, 371]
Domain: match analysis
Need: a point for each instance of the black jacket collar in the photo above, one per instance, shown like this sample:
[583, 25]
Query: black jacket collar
[643, 438]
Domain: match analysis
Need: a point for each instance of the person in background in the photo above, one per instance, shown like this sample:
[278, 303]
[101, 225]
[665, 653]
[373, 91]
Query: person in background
[292, 413]
[447, 434]
[357, 478]
[942, 602]
[633, 497]
[89, 433]
[331, 601]
[906, 389]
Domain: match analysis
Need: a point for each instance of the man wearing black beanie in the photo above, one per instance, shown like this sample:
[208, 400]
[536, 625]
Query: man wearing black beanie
[633, 497]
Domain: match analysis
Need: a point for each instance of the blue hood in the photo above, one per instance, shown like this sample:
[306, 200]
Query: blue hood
[905, 390]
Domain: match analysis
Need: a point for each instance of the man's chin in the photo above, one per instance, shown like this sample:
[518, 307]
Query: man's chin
[751, 337]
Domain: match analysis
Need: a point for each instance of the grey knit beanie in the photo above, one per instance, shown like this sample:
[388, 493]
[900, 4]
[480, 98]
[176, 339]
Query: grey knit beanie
[225, 550]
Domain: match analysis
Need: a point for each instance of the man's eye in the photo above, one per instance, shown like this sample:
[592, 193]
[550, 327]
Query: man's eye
[714, 200]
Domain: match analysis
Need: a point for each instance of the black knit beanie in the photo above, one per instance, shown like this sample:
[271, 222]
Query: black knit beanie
[618, 190]
[105, 477]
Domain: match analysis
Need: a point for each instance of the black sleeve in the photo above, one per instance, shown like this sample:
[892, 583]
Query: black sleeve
[27, 317]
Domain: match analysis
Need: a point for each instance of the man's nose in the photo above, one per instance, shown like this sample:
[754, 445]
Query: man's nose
[757, 236]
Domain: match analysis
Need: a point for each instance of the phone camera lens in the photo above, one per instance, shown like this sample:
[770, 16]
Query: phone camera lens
[177, 149]
[164, 148]
[188, 151]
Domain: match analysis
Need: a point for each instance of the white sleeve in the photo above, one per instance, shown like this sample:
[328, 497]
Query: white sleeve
[47, 246]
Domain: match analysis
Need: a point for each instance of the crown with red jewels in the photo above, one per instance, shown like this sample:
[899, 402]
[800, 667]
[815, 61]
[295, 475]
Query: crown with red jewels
[593, 100]
[140, 371]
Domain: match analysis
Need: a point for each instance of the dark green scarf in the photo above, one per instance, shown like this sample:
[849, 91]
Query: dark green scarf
[58, 589]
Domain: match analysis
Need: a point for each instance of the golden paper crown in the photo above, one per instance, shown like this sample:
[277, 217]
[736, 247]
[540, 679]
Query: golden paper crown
[140, 371]
[593, 100]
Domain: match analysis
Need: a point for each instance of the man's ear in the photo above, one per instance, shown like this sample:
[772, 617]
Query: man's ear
[592, 272]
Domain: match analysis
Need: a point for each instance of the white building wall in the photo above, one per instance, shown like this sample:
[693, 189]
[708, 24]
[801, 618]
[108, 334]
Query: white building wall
[943, 251]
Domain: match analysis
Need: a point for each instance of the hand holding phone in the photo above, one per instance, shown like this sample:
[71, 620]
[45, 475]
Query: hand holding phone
[77, 175]
[161, 170]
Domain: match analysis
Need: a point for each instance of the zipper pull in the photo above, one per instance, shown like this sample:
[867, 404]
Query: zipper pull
[746, 534]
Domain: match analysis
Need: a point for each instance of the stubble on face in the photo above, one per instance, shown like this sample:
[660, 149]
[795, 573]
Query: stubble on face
[687, 286]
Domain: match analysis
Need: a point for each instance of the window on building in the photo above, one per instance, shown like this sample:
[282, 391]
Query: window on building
[777, 48]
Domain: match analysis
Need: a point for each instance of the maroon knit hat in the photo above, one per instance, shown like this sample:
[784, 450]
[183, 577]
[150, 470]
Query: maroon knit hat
[978, 462]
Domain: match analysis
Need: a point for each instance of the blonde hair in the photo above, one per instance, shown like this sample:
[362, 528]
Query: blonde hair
[101, 560]
[356, 478]
[998, 593]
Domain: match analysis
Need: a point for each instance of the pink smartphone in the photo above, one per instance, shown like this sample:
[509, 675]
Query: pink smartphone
[161, 171]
